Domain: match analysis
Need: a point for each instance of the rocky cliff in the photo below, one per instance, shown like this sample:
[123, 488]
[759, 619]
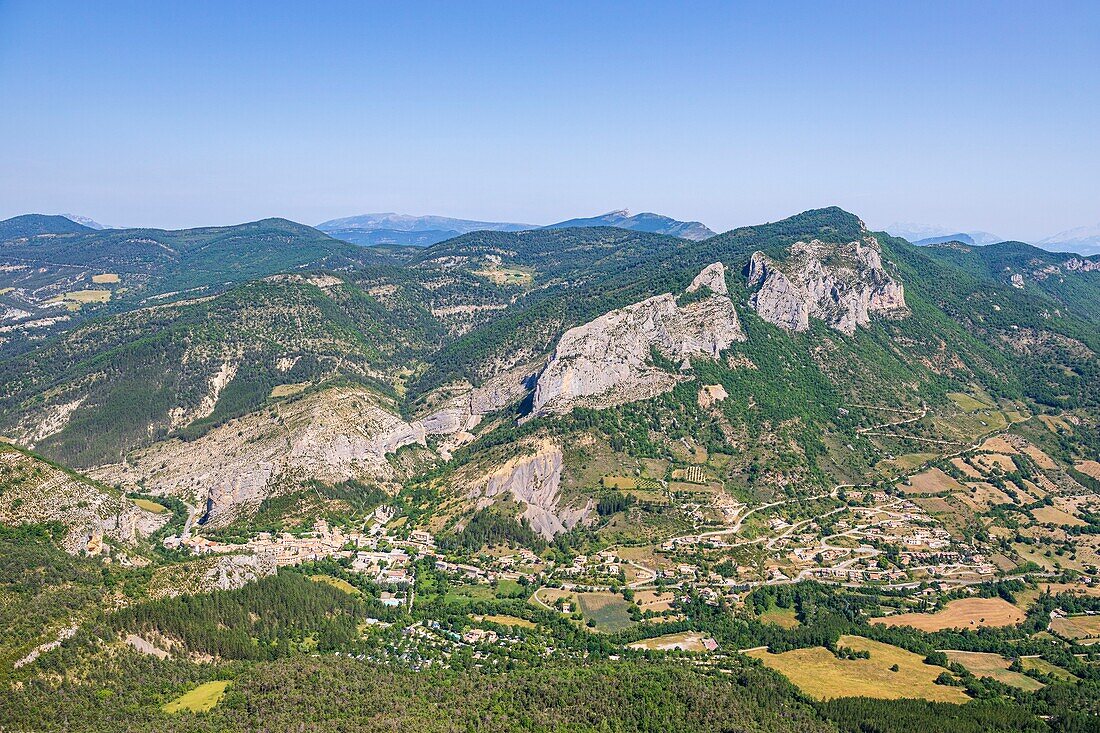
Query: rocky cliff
[609, 361]
[331, 435]
[842, 285]
[33, 492]
[534, 479]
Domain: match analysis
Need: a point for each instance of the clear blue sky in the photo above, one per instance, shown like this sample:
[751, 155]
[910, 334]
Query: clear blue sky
[967, 114]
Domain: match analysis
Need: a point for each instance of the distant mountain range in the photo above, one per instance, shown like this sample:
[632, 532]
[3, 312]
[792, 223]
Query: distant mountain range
[422, 231]
[924, 234]
[644, 222]
[88, 222]
[957, 237]
[1082, 240]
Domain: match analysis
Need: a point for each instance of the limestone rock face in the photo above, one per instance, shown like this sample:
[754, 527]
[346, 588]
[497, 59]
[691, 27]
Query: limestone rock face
[712, 276]
[332, 435]
[609, 361]
[842, 285]
[464, 406]
[534, 479]
[36, 492]
[711, 394]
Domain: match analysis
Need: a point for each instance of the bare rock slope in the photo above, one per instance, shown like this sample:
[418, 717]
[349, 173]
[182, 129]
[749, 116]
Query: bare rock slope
[609, 361]
[842, 285]
[32, 491]
[331, 435]
[533, 479]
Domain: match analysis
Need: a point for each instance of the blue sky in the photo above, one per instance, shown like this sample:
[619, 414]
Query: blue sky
[970, 115]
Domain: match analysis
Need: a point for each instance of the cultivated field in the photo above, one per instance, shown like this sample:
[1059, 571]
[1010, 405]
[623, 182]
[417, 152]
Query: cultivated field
[506, 275]
[1056, 424]
[932, 481]
[286, 390]
[619, 482]
[1089, 468]
[1054, 515]
[1042, 665]
[820, 674]
[991, 461]
[907, 461]
[609, 611]
[104, 278]
[648, 600]
[981, 664]
[966, 468]
[981, 496]
[202, 698]
[784, 617]
[965, 613]
[504, 620]
[967, 402]
[1076, 627]
[687, 641]
[151, 506]
[87, 296]
[338, 583]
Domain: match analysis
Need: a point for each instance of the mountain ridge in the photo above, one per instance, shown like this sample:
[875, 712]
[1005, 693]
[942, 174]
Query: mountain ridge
[643, 222]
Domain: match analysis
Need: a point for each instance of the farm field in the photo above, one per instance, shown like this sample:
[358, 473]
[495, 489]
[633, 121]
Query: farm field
[982, 664]
[1042, 665]
[784, 617]
[151, 506]
[619, 482]
[965, 613]
[820, 674]
[87, 296]
[968, 402]
[338, 583]
[688, 641]
[464, 594]
[1089, 468]
[907, 461]
[608, 611]
[1054, 515]
[200, 699]
[105, 277]
[504, 620]
[1076, 627]
[286, 390]
[649, 600]
[931, 481]
[1056, 424]
[506, 275]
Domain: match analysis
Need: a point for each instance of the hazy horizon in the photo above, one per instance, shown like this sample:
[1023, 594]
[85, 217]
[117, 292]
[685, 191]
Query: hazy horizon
[973, 117]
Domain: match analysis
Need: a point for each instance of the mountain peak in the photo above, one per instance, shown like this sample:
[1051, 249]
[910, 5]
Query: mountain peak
[31, 225]
[644, 222]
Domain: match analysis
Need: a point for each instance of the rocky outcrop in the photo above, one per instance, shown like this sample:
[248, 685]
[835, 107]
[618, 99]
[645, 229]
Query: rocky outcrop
[213, 572]
[460, 407]
[842, 285]
[331, 435]
[1079, 264]
[534, 480]
[34, 492]
[713, 276]
[609, 361]
[711, 394]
